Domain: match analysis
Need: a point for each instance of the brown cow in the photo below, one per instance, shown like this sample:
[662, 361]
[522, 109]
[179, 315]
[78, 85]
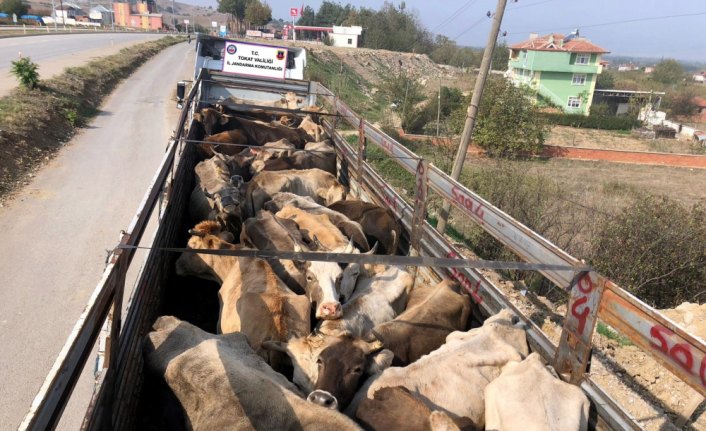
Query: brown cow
[379, 224]
[223, 385]
[423, 327]
[258, 132]
[311, 128]
[330, 368]
[395, 409]
[253, 299]
[315, 183]
[230, 142]
[320, 155]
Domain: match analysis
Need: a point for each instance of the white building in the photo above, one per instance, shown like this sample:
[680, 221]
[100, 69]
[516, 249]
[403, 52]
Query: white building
[345, 36]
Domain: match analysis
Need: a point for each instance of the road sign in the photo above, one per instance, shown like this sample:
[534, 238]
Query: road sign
[186, 21]
[255, 60]
[14, 17]
[222, 32]
[293, 11]
[214, 24]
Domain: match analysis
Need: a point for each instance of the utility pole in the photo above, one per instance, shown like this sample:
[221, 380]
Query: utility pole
[438, 109]
[53, 8]
[473, 108]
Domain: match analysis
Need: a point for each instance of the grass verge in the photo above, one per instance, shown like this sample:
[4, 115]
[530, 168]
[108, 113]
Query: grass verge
[35, 123]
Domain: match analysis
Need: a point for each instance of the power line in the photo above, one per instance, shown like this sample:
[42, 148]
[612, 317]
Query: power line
[529, 5]
[618, 22]
[454, 15]
[470, 27]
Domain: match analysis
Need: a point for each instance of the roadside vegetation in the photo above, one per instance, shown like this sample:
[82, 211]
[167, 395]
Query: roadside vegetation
[616, 217]
[36, 119]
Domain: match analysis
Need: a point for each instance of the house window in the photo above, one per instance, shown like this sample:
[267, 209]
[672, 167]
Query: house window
[583, 58]
[350, 41]
[578, 79]
[574, 102]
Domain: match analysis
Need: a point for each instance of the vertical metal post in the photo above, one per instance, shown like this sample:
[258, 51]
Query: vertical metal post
[421, 193]
[575, 344]
[438, 109]
[473, 108]
[113, 342]
[362, 149]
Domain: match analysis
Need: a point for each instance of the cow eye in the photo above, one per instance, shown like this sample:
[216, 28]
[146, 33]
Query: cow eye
[319, 362]
[357, 370]
[309, 278]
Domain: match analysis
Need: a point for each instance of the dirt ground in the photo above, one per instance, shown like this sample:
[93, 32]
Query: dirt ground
[565, 136]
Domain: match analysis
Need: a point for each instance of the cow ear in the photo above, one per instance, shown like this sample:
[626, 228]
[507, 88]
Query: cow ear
[278, 346]
[379, 362]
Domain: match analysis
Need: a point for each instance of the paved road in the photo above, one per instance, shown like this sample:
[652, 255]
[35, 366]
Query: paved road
[53, 53]
[55, 233]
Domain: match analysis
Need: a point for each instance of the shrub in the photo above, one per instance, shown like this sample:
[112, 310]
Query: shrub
[26, 72]
[656, 249]
[622, 122]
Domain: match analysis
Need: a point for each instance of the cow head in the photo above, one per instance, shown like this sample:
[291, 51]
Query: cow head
[334, 193]
[328, 275]
[290, 100]
[210, 118]
[330, 368]
[206, 235]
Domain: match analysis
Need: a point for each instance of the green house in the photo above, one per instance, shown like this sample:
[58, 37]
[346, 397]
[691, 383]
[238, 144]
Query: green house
[561, 69]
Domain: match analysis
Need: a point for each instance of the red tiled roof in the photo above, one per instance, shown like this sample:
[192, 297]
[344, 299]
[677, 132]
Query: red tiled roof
[699, 101]
[542, 43]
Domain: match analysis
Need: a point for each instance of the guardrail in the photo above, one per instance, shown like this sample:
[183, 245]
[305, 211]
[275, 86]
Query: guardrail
[592, 295]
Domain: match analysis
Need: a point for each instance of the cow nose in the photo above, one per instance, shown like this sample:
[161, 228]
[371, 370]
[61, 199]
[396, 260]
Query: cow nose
[323, 399]
[331, 310]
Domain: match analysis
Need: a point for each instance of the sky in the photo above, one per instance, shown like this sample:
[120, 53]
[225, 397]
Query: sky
[604, 22]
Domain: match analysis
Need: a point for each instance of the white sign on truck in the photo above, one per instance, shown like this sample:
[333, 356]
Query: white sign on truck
[255, 60]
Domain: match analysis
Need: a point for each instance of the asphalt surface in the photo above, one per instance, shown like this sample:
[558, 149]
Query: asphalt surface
[55, 233]
[55, 52]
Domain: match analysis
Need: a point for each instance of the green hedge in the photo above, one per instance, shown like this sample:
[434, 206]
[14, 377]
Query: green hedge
[593, 122]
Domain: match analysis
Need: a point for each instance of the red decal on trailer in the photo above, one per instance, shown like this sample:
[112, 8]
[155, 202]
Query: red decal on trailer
[582, 315]
[471, 288]
[473, 207]
[680, 353]
[387, 146]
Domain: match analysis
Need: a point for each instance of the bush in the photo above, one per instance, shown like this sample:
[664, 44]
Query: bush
[656, 249]
[26, 72]
[622, 122]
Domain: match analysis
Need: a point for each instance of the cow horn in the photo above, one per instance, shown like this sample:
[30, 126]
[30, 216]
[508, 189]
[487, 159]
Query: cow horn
[194, 232]
[373, 249]
[350, 248]
[375, 346]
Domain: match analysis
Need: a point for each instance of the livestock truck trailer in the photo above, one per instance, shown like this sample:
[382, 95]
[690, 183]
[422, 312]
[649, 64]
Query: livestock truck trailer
[229, 73]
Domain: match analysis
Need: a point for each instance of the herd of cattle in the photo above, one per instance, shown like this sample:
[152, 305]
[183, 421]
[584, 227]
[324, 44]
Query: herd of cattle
[322, 345]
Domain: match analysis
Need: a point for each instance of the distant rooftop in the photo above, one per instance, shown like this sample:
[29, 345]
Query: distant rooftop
[559, 43]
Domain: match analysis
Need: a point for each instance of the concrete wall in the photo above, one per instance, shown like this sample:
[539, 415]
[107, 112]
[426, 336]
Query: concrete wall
[344, 39]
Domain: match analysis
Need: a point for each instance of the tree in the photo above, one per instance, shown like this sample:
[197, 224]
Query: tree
[656, 249]
[509, 125]
[501, 56]
[258, 13]
[668, 72]
[236, 8]
[26, 72]
[605, 80]
[405, 92]
[13, 6]
[680, 103]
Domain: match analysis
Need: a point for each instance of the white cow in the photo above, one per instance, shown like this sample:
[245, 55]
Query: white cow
[527, 397]
[452, 378]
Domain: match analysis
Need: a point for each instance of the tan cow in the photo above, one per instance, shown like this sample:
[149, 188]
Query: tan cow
[453, 377]
[433, 313]
[223, 385]
[253, 300]
[315, 183]
[215, 197]
[348, 227]
[527, 397]
[311, 128]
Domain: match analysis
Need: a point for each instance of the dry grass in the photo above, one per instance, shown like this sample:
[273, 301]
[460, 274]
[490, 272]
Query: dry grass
[565, 136]
[34, 123]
